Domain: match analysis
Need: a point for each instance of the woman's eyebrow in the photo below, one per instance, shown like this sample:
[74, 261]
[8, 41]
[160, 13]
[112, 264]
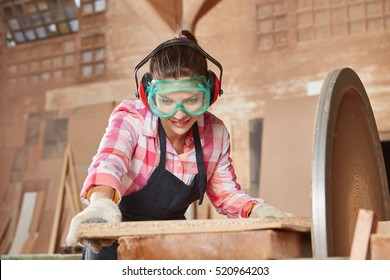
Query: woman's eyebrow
[192, 96]
[164, 97]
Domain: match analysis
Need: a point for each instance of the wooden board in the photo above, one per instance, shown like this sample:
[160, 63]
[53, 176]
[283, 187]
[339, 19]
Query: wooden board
[272, 238]
[380, 242]
[380, 246]
[45, 177]
[24, 222]
[33, 231]
[6, 220]
[243, 245]
[6, 165]
[13, 201]
[366, 224]
[383, 227]
[114, 231]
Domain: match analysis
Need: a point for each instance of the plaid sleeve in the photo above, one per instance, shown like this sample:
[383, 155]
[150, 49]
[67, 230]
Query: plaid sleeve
[112, 159]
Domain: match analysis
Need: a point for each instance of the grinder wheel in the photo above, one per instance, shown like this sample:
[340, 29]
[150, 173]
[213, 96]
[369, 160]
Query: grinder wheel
[348, 167]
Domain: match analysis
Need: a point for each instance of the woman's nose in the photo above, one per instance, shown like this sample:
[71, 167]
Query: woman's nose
[180, 114]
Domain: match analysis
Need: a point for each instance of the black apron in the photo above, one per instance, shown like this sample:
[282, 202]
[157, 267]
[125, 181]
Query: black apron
[164, 197]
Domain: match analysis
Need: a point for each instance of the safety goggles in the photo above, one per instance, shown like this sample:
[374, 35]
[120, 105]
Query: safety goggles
[166, 97]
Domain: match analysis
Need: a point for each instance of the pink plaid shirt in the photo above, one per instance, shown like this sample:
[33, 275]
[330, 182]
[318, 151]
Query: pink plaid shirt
[129, 152]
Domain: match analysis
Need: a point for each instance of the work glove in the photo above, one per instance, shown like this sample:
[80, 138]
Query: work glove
[100, 211]
[268, 211]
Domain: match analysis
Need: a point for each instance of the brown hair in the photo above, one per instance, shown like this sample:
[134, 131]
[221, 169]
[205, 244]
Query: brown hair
[178, 61]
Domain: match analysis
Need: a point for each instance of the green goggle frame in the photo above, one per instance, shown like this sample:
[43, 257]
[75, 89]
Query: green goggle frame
[198, 85]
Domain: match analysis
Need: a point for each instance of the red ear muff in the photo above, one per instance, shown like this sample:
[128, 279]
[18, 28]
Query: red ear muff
[143, 94]
[215, 89]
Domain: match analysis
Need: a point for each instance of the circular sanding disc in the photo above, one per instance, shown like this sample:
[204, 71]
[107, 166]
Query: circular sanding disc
[348, 166]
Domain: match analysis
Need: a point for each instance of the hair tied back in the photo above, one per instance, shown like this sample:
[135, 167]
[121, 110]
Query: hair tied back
[181, 36]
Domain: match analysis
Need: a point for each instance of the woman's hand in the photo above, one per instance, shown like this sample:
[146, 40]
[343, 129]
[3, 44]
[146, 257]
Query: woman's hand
[268, 211]
[102, 209]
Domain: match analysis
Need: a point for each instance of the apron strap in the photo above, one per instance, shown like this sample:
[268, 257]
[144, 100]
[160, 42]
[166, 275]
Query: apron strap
[199, 162]
[163, 144]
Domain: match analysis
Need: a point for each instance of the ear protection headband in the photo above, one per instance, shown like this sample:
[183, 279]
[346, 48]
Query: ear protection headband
[215, 83]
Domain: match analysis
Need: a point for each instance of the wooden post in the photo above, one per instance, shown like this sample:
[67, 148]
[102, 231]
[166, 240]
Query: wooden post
[365, 225]
[67, 187]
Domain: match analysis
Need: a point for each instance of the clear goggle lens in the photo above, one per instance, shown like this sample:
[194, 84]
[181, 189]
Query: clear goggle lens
[166, 97]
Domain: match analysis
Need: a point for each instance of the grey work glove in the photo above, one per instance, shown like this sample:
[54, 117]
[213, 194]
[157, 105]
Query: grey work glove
[100, 211]
[268, 211]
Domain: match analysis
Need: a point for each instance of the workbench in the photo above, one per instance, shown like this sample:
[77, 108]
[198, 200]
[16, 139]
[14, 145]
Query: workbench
[271, 238]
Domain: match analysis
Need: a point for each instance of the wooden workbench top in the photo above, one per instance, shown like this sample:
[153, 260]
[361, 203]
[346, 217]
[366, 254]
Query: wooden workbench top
[114, 231]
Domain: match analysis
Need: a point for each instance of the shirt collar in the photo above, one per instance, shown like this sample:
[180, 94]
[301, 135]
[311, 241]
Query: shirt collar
[150, 128]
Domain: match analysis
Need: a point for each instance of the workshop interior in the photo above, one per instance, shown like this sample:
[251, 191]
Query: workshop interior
[306, 102]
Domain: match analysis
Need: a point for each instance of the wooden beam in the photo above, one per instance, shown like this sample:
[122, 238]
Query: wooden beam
[380, 246]
[189, 13]
[162, 30]
[72, 186]
[365, 225]
[24, 222]
[6, 220]
[380, 242]
[114, 231]
[36, 218]
[15, 192]
[383, 227]
[59, 204]
[45, 177]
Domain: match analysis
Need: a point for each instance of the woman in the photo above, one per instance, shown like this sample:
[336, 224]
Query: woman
[163, 152]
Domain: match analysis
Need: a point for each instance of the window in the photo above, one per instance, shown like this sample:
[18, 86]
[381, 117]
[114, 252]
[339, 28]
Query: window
[37, 20]
[90, 7]
[92, 62]
[282, 22]
[272, 24]
[317, 19]
[92, 57]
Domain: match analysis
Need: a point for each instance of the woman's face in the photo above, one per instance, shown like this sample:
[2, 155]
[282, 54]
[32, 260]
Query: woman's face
[179, 124]
[179, 103]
